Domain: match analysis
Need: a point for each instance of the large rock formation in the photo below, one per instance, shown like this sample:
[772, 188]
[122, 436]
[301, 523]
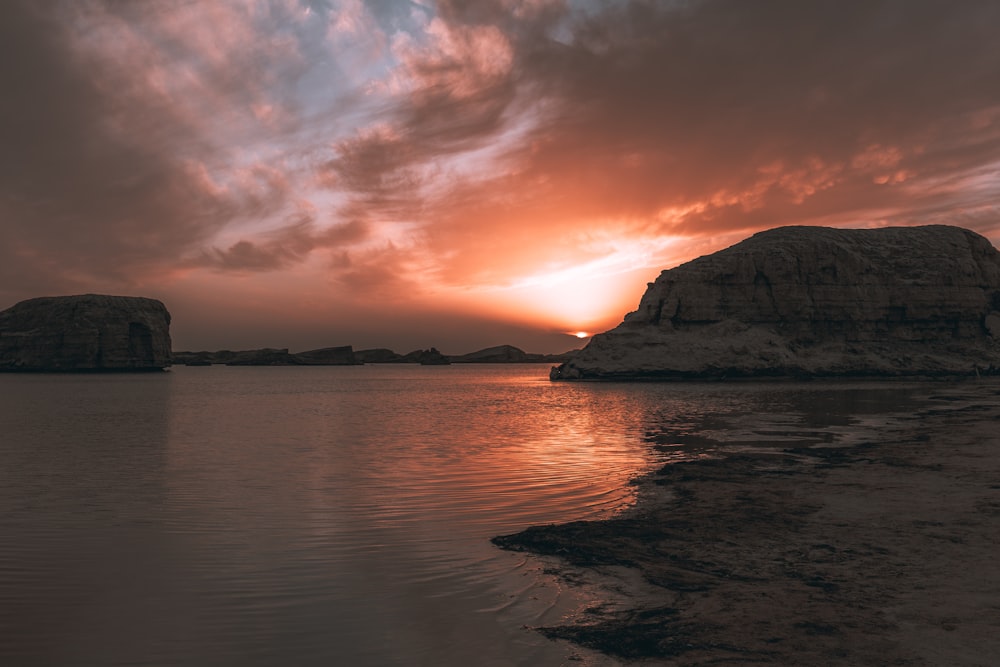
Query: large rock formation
[91, 332]
[814, 301]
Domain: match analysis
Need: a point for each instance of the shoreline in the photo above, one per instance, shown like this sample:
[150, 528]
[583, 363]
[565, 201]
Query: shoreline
[882, 550]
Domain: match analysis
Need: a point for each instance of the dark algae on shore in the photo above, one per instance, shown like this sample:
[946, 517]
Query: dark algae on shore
[877, 551]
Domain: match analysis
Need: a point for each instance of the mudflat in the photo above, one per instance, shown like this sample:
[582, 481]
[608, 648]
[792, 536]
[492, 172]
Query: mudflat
[882, 548]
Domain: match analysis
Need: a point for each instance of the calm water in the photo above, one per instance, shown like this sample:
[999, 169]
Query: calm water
[324, 515]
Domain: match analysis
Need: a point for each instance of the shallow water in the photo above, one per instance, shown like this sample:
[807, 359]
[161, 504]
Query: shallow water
[336, 515]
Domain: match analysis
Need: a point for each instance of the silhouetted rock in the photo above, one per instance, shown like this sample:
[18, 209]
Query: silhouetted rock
[429, 357]
[327, 356]
[508, 354]
[202, 358]
[379, 355]
[501, 354]
[89, 332]
[814, 301]
[345, 355]
[263, 357]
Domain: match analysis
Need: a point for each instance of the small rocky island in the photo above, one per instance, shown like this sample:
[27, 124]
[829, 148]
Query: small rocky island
[89, 332]
[813, 302]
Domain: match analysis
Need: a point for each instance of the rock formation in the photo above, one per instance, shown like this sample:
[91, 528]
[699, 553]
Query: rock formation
[814, 301]
[342, 355]
[429, 357]
[345, 355]
[378, 355]
[267, 356]
[90, 332]
[507, 354]
[501, 354]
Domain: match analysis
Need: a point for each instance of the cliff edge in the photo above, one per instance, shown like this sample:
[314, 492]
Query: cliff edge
[90, 332]
[813, 302]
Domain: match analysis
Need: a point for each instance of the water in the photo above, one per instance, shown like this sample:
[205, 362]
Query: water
[335, 515]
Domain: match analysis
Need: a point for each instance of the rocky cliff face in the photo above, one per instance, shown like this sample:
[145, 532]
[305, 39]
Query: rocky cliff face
[91, 332]
[814, 301]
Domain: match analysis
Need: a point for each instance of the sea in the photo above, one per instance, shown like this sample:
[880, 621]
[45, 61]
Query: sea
[340, 515]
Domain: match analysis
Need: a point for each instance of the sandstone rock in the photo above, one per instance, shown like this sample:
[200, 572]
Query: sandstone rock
[90, 332]
[814, 301]
[992, 324]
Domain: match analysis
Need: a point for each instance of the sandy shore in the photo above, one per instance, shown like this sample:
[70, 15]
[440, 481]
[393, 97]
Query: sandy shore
[881, 551]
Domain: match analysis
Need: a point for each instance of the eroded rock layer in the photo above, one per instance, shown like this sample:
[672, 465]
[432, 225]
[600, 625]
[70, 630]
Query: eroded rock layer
[814, 301]
[90, 332]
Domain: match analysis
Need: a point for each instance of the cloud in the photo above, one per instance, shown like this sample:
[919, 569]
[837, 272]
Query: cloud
[766, 104]
[517, 137]
[354, 150]
[375, 165]
[281, 248]
[75, 194]
[741, 115]
[105, 174]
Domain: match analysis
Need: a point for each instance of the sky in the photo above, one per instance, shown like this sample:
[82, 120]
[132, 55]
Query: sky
[466, 173]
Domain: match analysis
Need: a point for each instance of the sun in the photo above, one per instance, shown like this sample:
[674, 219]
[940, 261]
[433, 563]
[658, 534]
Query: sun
[581, 334]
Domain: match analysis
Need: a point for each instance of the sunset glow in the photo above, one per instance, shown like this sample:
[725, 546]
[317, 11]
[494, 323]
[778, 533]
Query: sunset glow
[302, 174]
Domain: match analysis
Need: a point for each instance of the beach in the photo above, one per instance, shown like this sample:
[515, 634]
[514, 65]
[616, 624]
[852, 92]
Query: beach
[875, 543]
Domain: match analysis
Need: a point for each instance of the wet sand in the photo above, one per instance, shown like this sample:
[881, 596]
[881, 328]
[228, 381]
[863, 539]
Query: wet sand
[884, 550]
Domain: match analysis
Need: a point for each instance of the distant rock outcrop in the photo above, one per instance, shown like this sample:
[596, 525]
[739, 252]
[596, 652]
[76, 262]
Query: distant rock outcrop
[501, 354]
[345, 355]
[431, 357]
[508, 354]
[90, 332]
[814, 301]
[342, 355]
[378, 355]
[327, 356]
[265, 356]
